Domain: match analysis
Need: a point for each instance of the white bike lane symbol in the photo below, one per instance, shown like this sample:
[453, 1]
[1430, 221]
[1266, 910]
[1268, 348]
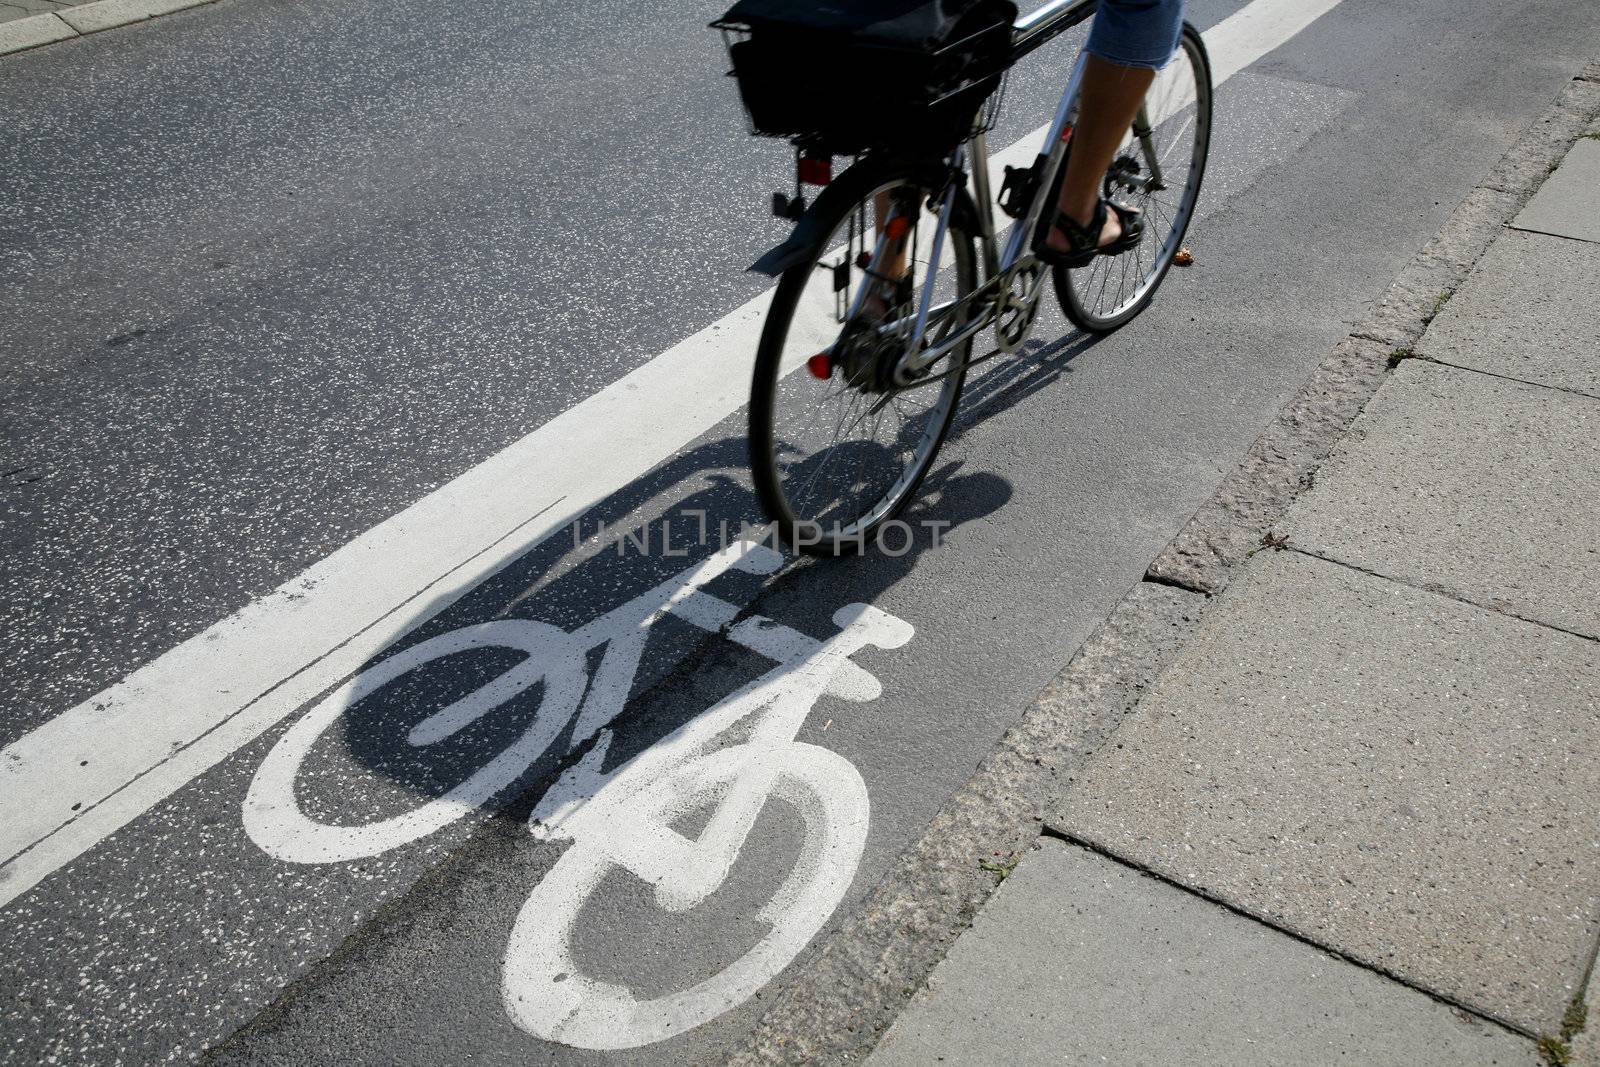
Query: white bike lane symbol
[623, 818]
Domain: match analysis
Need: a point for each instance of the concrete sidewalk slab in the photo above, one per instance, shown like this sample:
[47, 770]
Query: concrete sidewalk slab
[1531, 311]
[1481, 487]
[1397, 775]
[1080, 960]
[1568, 204]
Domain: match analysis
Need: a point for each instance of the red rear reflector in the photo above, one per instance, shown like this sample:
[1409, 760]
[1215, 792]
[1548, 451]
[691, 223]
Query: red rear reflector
[820, 365]
[897, 227]
[816, 170]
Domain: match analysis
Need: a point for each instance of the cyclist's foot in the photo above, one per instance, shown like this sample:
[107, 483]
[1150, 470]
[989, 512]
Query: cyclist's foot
[874, 308]
[875, 304]
[1110, 230]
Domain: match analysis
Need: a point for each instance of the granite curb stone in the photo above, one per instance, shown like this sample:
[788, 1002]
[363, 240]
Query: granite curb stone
[17, 35]
[109, 14]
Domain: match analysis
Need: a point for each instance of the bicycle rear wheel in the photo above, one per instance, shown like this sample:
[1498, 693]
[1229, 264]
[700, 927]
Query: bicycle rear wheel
[836, 447]
[1111, 290]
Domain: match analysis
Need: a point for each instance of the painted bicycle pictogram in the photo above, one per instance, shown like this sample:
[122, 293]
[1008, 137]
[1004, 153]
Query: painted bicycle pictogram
[729, 760]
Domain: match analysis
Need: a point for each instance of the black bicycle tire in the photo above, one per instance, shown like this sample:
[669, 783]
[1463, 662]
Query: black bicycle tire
[837, 200]
[1066, 296]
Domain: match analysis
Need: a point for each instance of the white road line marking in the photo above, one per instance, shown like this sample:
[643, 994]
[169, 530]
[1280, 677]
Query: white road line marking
[82, 776]
[1256, 29]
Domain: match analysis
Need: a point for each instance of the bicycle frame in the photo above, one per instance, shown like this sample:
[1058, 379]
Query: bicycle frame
[1003, 267]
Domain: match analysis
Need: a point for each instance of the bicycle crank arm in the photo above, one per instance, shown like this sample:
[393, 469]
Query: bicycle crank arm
[908, 373]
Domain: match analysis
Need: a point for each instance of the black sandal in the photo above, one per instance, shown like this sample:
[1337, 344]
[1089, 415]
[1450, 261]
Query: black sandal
[1084, 241]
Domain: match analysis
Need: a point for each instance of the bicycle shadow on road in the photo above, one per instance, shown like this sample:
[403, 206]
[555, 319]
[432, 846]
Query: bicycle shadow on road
[1036, 366]
[660, 526]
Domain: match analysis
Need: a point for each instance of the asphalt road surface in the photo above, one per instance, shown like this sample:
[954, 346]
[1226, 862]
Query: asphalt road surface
[323, 324]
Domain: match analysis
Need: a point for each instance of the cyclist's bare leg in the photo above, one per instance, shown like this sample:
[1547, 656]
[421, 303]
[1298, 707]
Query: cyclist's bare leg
[876, 304]
[1111, 96]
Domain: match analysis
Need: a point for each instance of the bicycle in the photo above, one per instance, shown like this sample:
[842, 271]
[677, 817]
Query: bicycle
[878, 393]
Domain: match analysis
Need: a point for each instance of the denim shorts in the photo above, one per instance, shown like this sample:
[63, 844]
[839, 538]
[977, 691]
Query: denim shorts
[1136, 33]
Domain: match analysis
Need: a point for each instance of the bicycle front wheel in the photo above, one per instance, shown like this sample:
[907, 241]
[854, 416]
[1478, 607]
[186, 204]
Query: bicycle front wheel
[837, 446]
[1159, 173]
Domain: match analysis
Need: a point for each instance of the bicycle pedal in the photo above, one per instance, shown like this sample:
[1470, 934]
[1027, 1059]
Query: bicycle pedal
[1017, 190]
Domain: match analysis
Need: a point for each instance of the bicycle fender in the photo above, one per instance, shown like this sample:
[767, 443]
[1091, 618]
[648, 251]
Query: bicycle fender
[807, 234]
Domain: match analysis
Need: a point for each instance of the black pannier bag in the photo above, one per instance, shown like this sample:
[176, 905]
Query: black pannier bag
[843, 76]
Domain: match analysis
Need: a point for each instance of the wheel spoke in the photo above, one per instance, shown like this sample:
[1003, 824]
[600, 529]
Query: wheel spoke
[1180, 106]
[852, 449]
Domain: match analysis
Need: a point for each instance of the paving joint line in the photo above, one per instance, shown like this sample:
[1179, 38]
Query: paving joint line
[1436, 591]
[1090, 845]
[1547, 233]
[1174, 582]
[1587, 979]
[1436, 361]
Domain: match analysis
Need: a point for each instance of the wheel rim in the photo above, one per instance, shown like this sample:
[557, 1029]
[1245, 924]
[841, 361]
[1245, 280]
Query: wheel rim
[1179, 103]
[848, 450]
